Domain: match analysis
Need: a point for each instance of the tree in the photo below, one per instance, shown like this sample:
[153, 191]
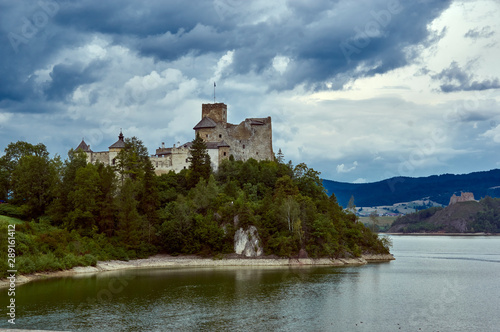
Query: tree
[280, 157]
[32, 182]
[130, 224]
[84, 200]
[61, 206]
[4, 180]
[290, 211]
[13, 153]
[374, 221]
[106, 205]
[350, 206]
[133, 159]
[149, 200]
[308, 181]
[200, 165]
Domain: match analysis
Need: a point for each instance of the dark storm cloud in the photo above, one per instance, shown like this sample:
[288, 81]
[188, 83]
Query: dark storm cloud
[354, 39]
[66, 78]
[325, 41]
[457, 79]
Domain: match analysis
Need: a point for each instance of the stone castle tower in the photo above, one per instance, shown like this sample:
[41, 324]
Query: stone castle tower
[252, 138]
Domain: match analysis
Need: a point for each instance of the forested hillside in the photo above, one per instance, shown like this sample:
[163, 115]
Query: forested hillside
[77, 213]
[439, 188]
[464, 217]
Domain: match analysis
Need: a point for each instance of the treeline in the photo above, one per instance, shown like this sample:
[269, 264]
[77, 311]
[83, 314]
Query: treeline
[126, 211]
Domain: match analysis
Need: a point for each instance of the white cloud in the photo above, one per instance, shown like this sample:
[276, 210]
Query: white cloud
[280, 63]
[493, 133]
[342, 168]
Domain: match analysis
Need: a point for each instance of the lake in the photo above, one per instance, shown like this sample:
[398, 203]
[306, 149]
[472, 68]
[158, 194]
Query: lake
[436, 283]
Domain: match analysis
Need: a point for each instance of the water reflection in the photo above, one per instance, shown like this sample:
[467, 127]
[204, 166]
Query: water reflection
[434, 284]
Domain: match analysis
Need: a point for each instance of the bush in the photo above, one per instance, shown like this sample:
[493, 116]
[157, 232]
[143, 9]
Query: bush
[48, 262]
[89, 260]
[70, 260]
[25, 265]
[12, 211]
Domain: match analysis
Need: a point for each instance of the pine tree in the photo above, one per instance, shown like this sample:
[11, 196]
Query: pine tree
[200, 165]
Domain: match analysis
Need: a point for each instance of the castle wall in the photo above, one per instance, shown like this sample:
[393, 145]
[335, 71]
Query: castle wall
[206, 134]
[252, 138]
[214, 158]
[223, 154]
[176, 160]
[102, 157]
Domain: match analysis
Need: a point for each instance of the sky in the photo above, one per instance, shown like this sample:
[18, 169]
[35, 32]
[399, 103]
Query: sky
[358, 90]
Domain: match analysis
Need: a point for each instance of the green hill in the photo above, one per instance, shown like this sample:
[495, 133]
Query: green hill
[464, 217]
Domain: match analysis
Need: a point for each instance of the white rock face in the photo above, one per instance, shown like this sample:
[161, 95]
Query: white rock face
[247, 243]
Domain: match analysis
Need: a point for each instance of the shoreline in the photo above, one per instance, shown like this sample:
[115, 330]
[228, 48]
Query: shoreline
[167, 261]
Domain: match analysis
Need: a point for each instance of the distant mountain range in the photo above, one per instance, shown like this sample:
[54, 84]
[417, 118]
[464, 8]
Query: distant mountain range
[438, 188]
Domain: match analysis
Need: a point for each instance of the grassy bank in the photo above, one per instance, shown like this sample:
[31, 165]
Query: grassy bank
[40, 247]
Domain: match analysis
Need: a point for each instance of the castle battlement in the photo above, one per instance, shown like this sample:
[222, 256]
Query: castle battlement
[252, 138]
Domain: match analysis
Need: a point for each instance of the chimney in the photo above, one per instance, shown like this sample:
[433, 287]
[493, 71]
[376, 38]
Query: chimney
[163, 145]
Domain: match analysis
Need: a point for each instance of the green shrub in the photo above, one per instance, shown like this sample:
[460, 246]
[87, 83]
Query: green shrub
[90, 260]
[48, 262]
[25, 265]
[69, 261]
[12, 211]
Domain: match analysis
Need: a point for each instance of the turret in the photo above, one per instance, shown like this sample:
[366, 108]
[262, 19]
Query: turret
[216, 112]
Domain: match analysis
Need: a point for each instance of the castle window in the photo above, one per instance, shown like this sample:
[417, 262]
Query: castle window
[206, 135]
[243, 146]
[220, 136]
[224, 153]
[113, 162]
[156, 164]
[256, 153]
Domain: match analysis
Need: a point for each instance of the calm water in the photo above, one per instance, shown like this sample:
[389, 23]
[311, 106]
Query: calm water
[435, 284]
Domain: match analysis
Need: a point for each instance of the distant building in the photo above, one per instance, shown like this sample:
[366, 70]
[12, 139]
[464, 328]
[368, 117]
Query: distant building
[252, 138]
[464, 197]
[105, 157]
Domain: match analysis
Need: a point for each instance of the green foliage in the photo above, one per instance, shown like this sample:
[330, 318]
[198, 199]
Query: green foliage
[488, 220]
[199, 162]
[133, 159]
[32, 182]
[83, 212]
[12, 211]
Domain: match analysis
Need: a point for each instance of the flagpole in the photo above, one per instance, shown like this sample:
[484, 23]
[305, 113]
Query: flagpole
[214, 92]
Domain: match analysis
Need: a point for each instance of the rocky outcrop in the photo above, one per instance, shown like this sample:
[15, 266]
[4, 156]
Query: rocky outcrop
[247, 242]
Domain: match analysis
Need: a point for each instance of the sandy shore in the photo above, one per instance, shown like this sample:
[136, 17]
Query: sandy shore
[165, 261]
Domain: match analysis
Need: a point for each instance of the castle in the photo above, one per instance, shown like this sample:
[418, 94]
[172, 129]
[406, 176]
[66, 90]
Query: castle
[464, 197]
[252, 138]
